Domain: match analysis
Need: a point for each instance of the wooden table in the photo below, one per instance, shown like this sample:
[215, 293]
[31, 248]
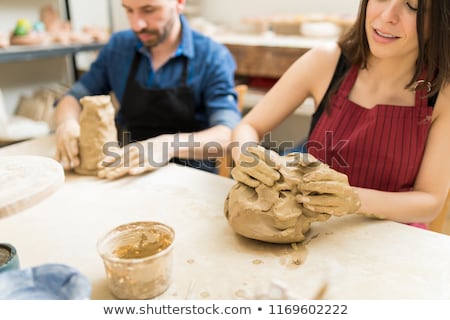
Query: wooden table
[357, 257]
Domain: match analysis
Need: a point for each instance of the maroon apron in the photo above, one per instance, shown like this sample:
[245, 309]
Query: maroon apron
[379, 148]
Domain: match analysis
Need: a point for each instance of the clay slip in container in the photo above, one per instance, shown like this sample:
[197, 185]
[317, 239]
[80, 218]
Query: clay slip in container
[138, 259]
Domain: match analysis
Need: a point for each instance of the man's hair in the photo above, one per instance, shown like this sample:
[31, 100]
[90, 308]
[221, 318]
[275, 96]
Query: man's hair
[434, 47]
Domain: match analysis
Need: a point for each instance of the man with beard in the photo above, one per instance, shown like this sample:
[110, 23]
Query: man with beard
[175, 88]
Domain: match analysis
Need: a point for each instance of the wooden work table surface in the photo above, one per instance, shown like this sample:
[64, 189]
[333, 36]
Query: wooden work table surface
[357, 258]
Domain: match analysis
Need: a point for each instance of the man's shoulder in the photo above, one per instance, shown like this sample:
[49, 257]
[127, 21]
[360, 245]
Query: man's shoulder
[204, 43]
[201, 36]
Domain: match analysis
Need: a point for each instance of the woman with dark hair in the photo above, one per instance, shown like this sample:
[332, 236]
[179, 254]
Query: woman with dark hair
[383, 110]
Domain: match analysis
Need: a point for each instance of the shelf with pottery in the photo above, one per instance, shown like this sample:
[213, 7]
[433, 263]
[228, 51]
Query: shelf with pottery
[35, 66]
[32, 52]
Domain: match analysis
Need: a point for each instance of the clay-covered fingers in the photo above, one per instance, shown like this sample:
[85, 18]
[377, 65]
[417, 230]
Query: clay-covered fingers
[330, 204]
[328, 191]
[304, 161]
[67, 139]
[336, 188]
[71, 160]
[325, 173]
[244, 178]
[130, 160]
[62, 158]
[294, 166]
[120, 163]
[258, 164]
[271, 158]
[112, 170]
[320, 200]
[318, 216]
[260, 171]
[142, 167]
[113, 158]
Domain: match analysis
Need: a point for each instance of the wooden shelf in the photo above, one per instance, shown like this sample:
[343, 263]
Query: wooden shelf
[264, 61]
[33, 52]
[267, 55]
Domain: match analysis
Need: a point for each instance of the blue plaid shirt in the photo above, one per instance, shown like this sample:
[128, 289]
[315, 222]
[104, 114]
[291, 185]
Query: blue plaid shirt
[210, 74]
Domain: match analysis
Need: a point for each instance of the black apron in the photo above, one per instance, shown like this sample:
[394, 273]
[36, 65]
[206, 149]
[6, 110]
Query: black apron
[147, 113]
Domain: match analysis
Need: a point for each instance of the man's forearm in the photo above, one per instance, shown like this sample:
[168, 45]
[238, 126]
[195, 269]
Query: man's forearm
[209, 143]
[68, 108]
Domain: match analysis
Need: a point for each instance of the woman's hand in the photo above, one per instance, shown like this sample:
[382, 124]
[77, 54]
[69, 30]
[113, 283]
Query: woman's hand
[257, 165]
[325, 190]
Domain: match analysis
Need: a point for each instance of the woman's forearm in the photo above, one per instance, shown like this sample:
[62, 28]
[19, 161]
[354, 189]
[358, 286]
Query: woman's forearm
[405, 207]
[242, 135]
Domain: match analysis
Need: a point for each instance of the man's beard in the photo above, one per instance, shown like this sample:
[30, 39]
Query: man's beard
[159, 36]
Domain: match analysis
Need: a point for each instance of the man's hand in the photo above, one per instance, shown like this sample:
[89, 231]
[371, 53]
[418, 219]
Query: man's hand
[67, 140]
[137, 158]
[325, 190]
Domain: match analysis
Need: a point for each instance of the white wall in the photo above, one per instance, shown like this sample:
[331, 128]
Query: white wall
[231, 12]
[89, 13]
[119, 18]
[93, 13]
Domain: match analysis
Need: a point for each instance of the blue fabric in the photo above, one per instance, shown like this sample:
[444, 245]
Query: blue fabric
[300, 147]
[210, 74]
[44, 282]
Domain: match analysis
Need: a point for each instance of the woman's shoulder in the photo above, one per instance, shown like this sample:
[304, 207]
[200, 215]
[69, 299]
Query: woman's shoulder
[319, 65]
[441, 107]
[321, 60]
[327, 53]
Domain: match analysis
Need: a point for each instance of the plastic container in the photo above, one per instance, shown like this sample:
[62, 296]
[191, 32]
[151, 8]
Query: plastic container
[138, 259]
